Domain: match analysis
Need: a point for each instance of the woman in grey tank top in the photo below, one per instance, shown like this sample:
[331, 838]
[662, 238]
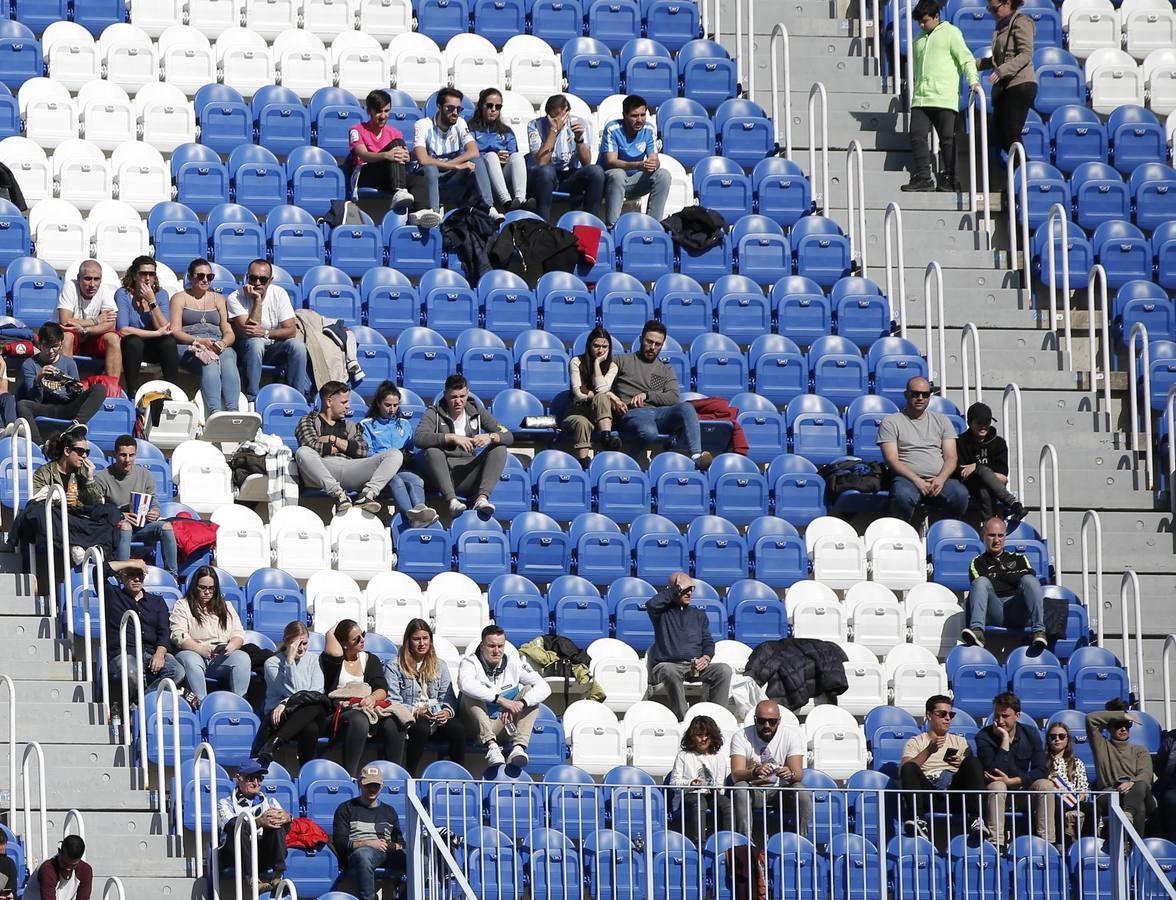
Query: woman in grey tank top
[200, 323]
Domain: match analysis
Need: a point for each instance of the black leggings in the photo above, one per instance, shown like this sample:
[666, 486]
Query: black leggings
[1010, 109]
[82, 408]
[452, 732]
[137, 350]
[353, 732]
[304, 726]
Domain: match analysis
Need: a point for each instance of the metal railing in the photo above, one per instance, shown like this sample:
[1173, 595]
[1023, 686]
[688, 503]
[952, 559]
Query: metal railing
[1093, 600]
[818, 90]
[1018, 187]
[6, 681]
[978, 198]
[1063, 237]
[1051, 516]
[1010, 408]
[779, 40]
[903, 22]
[895, 253]
[285, 890]
[1129, 588]
[74, 817]
[1166, 663]
[970, 336]
[119, 891]
[246, 825]
[33, 749]
[1141, 449]
[168, 687]
[433, 873]
[876, 37]
[1138, 874]
[745, 37]
[93, 557]
[1170, 418]
[132, 617]
[21, 437]
[934, 326]
[204, 761]
[1098, 276]
[855, 206]
[57, 494]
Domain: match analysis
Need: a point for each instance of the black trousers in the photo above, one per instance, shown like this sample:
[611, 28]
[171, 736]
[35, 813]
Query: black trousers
[82, 407]
[923, 119]
[271, 849]
[353, 728]
[1010, 108]
[305, 725]
[984, 485]
[452, 732]
[137, 350]
[969, 777]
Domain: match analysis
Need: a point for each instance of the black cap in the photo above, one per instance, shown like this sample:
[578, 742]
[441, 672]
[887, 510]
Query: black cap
[980, 412]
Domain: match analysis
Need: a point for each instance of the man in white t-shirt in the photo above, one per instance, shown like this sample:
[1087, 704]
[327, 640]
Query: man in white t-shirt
[263, 316]
[87, 312]
[448, 161]
[767, 759]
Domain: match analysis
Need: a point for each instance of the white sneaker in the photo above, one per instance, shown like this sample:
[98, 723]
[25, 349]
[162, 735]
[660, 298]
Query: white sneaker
[8, 430]
[77, 554]
[518, 756]
[402, 198]
[483, 507]
[494, 755]
[494, 214]
[456, 507]
[425, 218]
[980, 829]
[421, 515]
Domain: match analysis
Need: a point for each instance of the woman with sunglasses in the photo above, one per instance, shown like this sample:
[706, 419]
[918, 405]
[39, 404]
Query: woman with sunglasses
[143, 324]
[421, 681]
[209, 635]
[200, 322]
[293, 674]
[350, 670]
[1067, 779]
[505, 165]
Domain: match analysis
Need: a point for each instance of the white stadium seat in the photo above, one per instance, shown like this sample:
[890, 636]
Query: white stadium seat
[532, 68]
[156, 16]
[361, 544]
[214, 17]
[876, 618]
[385, 19]
[460, 611]
[332, 597]
[106, 114]
[242, 540]
[244, 60]
[815, 612]
[837, 553]
[395, 599]
[733, 653]
[202, 476]
[269, 18]
[895, 554]
[166, 117]
[619, 671]
[915, 674]
[49, 113]
[129, 57]
[327, 19]
[359, 62]
[1159, 79]
[653, 735]
[1089, 25]
[302, 62]
[1114, 80]
[936, 618]
[71, 54]
[837, 742]
[473, 63]
[59, 232]
[300, 541]
[723, 717]
[418, 66]
[517, 112]
[117, 233]
[30, 166]
[186, 58]
[868, 684]
[178, 417]
[594, 736]
[141, 177]
[1148, 25]
[681, 188]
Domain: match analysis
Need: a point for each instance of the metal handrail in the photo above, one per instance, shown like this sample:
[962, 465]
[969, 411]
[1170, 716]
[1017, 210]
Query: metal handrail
[420, 827]
[970, 330]
[1019, 187]
[33, 748]
[1098, 275]
[933, 278]
[1064, 237]
[976, 97]
[780, 38]
[749, 36]
[169, 687]
[21, 436]
[74, 816]
[1091, 521]
[1171, 414]
[285, 890]
[206, 751]
[909, 27]
[115, 882]
[1131, 581]
[124, 659]
[1166, 663]
[1051, 525]
[245, 822]
[93, 555]
[894, 248]
[1141, 450]
[57, 493]
[876, 17]
[855, 207]
[1011, 410]
[8, 682]
[818, 89]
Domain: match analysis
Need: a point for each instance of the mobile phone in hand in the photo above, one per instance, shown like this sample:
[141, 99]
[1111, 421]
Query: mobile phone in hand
[951, 753]
[220, 649]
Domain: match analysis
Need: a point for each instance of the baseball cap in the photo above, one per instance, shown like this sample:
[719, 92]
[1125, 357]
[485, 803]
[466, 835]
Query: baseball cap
[252, 767]
[371, 775]
[980, 412]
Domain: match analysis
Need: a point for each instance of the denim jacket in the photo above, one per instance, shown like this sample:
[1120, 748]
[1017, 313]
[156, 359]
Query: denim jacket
[406, 690]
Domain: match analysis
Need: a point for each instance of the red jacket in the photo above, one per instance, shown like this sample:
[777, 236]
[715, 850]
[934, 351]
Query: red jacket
[716, 409]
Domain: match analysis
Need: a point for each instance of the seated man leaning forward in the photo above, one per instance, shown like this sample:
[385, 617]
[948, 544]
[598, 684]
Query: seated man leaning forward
[650, 403]
[767, 768]
[263, 316]
[683, 647]
[1003, 583]
[628, 149]
[919, 447]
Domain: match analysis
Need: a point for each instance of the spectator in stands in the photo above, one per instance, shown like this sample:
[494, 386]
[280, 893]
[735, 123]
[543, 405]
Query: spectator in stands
[1067, 778]
[91, 522]
[1013, 78]
[983, 458]
[293, 676]
[8, 874]
[209, 635]
[64, 875]
[592, 375]
[561, 159]
[500, 696]
[941, 57]
[938, 760]
[647, 400]
[419, 680]
[379, 157]
[50, 386]
[144, 325]
[272, 824]
[1165, 787]
[505, 165]
[87, 312]
[385, 428]
[333, 455]
[919, 446]
[1119, 764]
[462, 450]
[683, 647]
[200, 322]
[449, 162]
[769, 755]
[366, 834]
[120, 481]
[631, 165]
[1004, 590]
[1012, 758]
[703, 767]
[355, 677]
[263, 318]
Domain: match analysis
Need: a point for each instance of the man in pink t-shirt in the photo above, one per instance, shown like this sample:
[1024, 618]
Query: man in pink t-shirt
[378, 153]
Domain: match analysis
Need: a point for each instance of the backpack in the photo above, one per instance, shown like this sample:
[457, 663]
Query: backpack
[853, 474]
[343, 212]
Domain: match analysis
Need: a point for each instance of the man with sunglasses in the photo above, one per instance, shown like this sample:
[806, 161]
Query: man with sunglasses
[769, 755]
[50, 386]
[1004, 591]
[683, 647]
[1012, 757]
[65, 875]
[272, 824]
[939, 760]
[263, 316]
[919, 447]
[448, 162]
[1121, 765]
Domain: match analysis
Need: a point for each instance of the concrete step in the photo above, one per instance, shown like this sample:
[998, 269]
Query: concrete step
[104, 787]
[20, 626]
[34, 649]
[1001, 366]
[68, 723]
[142, 887]
[118, 837]
[75, 755]
[1102, 487]
[37, 692]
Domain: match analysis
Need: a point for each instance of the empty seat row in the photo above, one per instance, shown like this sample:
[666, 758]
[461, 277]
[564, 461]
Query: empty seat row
[1148, 186]
[1121, 248]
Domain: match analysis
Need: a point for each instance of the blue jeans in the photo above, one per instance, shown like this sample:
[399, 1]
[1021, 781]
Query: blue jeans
[198, 670]
[455, 186]
[7, 408]
[508, 181]
[905, 499]
[156, 532]
[644, 424]
[364, 862]
[171, 668]
[408, 490]
[585, 183]
[220, 383]
[287, 355]
[628, 184]
[988, 609]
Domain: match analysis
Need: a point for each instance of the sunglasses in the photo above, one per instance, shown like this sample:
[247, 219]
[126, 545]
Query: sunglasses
[147, 272]
[922, 394]
[760, 720]
[257, 279]
[134, 576]
[202, 276]
[492, 105]
[1058, 737]
[452, 107]
[80, 451]
[944, 713]
[258, 777]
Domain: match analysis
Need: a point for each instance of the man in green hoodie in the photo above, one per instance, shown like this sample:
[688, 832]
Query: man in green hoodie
[941, 56]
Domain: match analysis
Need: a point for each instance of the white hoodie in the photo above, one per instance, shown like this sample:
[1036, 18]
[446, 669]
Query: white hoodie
[472, 680]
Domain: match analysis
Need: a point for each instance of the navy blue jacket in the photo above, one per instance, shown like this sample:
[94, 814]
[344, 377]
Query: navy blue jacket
[1024, 759]
[681, 633]
[153, 616]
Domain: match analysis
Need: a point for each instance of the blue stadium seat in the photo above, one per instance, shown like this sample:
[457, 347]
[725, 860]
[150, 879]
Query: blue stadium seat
[762, 423]
[862, 799]
[422, 552]
[629, 804]
[568, 307]
[1035, 137]
[575, 804]
[675, 24]
[33, 289]
[1135, 136]
[275, 599]
[1036, 866]
[1162, 369]
[424, 360]
[1096, 676]
[682, 306]
[513, 494]
[510, 306]
[803, 312]
[976, 23]
[738, 489]
[1099, 195]
[176, 234]
[798, 492]
[860, 311]
[887, 729]
[542, 364]
[862, 420]
[333, 113]
[600, 553]
[782, 192]
[686, 130]
[615, 867]
[1164, 251]
[1152, 186]
[914, 868]
[579, 612]
[1077, 135]
[257, 178]
[95, 15]
[794, 865]
[491, 863]
[223, 118]
[659, 549]
[1039, 680]
[745, 133]
[855, 862]
[720, 368]
[230, 725]
[480, 547]
[294, 238]
[224, 787]
[707, 72]
[539, 547]
[707, 265]
[499, 20]
[680, 491]
[322, 786]
[10, 123]
[314, 870]
[644, 248]
[722, 186]
[281, 121]
[892, 362]
[951, 547]
[484, 360]
[189, 728]
[977, 868]
[404, 111]
[1090, 865]
[225, 283]
[816, 430]
[442, 19]
[718, 551]
[1025, 539]
[556, 869]
[450, 305]
[821, 250]
[838, 370]
[330, 292]
[677, 866]
[519, 606]
[1046, 186]
[757, 613]
[200, 178]
[1047, 22]
[648, 70]
[614, 22]
[20, 51]
[1060, 80]
[235, 237]
[511, 407]
[631, 612]
[762, 253]
[316, 180]
[624, 304]
[561, 486]
[776, 551]
[606, 258]
[115, 417]
[620, 489]
[1123, 252]
[391, 300]
[558, 21]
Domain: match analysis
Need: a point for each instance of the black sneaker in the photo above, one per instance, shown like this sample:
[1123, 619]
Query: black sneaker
[1039, 642]
[924, 185]
[1017, 514]
[947, 186]
[610, 440]
[972, 637]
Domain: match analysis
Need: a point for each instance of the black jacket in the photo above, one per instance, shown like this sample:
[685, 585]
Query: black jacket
[1004, 571]
[1024, 759]
[992, 451]
[695, 228]
[794, 670]
[469, 232]
[531, 248]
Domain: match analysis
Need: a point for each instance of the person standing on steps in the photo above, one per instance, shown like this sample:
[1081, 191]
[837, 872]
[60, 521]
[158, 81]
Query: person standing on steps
[1011, 72]
[940, 58]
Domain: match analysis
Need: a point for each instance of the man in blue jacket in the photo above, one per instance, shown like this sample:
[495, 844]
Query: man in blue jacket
[683, 647]
[1012, 758]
